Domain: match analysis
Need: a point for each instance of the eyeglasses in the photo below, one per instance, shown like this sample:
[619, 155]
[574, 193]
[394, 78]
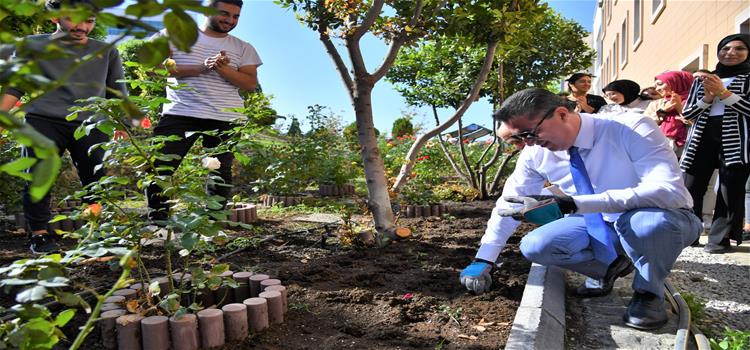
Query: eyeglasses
[533, 134]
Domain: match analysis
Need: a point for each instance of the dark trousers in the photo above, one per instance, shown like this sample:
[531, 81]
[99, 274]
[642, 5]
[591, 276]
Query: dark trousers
[84, 158]
[179, 125]
[730, 201]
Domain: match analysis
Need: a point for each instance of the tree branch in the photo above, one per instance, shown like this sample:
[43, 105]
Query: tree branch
[496, 180]
[445, 149]
[396, 44]
[421, 140]
[372, 14]
[336, 57]
[464, 158]
[494, 141]
[358, 62]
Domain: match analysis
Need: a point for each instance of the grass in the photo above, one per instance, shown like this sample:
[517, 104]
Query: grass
[696, 304]
[732, 340]
[314, 206]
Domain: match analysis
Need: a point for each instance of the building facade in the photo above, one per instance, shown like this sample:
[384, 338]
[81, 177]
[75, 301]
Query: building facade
[637, 39]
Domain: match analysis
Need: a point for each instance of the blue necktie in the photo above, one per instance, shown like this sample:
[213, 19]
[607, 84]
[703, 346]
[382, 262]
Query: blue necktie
[601, 235]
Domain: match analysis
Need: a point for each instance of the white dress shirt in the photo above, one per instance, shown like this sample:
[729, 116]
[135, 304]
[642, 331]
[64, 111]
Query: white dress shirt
[628, 160]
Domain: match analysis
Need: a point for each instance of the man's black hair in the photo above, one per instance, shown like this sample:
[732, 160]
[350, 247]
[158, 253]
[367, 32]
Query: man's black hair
[529, 103]
[212, 3]
[57, 4]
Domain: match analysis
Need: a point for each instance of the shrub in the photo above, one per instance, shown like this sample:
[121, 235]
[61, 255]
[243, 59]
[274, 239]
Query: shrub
[402, 127]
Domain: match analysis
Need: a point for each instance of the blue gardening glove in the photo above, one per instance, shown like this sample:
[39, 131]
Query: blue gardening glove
[476, 277]
[539, 209]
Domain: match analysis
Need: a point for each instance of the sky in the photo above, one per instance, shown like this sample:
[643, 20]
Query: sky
[298, 72]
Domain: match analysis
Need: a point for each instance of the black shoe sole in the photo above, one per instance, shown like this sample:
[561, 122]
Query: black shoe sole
[716, 250]
[646, 327]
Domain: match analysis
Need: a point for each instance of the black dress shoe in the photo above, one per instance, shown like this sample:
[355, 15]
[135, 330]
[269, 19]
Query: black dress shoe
[622, 266]
[646, 311]
[714, 248]
[737, 237]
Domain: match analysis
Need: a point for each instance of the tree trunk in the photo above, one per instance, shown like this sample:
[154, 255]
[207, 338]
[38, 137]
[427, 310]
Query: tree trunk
[379, 201]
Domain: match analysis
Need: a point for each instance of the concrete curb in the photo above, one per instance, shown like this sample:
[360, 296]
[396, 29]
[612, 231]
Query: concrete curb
[540, 319]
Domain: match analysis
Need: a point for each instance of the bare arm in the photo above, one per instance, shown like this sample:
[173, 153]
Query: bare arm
[7, 102]
[245, 78]
[188, 70]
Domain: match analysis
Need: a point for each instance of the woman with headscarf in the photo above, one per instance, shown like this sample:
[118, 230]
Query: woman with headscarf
[673, 87]
[579, 85]
[719, 105]
[625, 95]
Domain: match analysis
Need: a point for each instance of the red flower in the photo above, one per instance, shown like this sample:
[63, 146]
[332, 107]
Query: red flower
[146, 123]
[407, 296]
[19, 103]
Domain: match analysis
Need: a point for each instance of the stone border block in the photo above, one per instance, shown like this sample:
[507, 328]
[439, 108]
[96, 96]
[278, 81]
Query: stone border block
[540, 319]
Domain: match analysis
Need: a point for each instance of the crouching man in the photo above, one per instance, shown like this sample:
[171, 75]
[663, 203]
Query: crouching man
[622, 205]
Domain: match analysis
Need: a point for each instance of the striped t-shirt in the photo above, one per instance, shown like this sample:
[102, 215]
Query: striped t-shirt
[208, 95]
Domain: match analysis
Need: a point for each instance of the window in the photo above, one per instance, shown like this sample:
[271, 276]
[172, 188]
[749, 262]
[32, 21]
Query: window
[599, 46]
[624, 43]
[742, 21]
[605, 73]
[637, 23]
[657, 7]
[614, 57]
[608, 4]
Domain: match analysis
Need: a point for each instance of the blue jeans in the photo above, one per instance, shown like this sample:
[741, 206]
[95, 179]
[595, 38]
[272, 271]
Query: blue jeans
[653, 239]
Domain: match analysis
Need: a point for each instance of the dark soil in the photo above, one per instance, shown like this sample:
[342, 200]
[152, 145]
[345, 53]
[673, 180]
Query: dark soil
[404, 296]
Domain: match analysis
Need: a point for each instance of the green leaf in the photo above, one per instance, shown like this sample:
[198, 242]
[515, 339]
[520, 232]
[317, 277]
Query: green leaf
[30, 311]
[107, 3]
[16, 282]
[45, 174]
[58, 217]
[154, 52]
[189, 240]
[80, 132]
[24, 9]
[219, 269]
[50, 272]
[183, 32]
[18, 166]
[145, 9]
[31, 294]
[131, 110]
[64, 317]
[73, 300]
[55, 282]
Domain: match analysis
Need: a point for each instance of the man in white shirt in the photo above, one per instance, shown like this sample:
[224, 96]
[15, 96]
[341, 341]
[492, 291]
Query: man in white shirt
[637, 188]
[217, 67]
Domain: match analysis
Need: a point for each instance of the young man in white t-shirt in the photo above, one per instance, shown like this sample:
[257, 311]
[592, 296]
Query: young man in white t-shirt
[216, 68]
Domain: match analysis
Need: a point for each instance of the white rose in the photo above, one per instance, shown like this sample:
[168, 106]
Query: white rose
[212, 163]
